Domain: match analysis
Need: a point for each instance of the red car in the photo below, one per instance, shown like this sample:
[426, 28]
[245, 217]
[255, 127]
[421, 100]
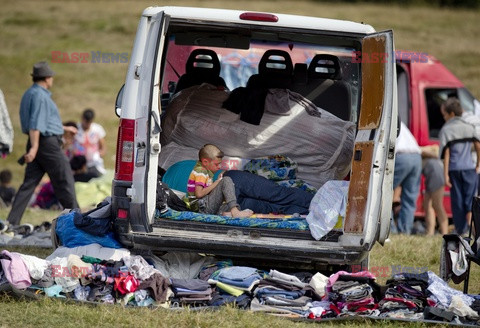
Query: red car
[423, 84]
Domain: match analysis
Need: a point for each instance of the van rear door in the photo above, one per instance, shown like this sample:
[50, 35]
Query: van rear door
[370, 193]
[147, 139]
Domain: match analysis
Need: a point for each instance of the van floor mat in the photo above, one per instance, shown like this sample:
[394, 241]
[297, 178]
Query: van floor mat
[296, 228]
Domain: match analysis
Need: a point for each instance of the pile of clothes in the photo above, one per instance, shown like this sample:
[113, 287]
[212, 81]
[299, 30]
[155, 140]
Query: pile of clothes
[115, 276]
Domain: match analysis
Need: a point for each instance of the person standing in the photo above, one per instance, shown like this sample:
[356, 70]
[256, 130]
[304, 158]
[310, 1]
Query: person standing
[460, 171]
[6, 129]
[432, 169]
[91, 136]
[40, 120]
[408, 169]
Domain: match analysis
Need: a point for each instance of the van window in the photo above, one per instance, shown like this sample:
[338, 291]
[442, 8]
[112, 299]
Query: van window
[238, 64]
[434, 99]
[403, 95]
[466, 100]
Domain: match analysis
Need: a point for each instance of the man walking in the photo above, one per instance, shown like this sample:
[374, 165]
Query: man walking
[40, 120]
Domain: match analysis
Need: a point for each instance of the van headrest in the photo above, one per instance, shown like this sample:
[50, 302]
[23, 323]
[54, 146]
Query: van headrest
[204, 61]
[276, 62]
[324, 66]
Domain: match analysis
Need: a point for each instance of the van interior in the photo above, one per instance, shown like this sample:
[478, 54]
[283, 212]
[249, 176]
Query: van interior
[258, 94]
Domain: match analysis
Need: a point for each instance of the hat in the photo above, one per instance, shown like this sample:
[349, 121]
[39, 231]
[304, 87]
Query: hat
[41, 69]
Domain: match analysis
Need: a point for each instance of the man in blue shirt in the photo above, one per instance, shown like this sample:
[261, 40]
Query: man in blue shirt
[40, 120]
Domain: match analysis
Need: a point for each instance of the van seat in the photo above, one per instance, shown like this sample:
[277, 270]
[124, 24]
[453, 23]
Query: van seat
[202, 66]
[300, 74]
[325, 87]
[275, 70]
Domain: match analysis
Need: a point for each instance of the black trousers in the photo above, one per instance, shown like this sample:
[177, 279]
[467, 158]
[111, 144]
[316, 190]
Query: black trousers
[52, 160]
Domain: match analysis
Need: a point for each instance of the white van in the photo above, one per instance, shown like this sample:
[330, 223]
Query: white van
[186, 62]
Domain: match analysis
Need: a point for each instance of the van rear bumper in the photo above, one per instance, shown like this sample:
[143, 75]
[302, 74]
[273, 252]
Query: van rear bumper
[284, 253]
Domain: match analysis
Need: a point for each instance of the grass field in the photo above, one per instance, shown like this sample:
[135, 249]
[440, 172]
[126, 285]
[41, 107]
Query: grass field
[31, 30]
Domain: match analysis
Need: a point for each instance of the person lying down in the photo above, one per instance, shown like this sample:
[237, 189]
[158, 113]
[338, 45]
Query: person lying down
[234, 190]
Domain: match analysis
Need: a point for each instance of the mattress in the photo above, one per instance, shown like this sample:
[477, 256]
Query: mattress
[294, 223]
[321, 146]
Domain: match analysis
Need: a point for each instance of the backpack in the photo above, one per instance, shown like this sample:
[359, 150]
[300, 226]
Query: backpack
[166, 199]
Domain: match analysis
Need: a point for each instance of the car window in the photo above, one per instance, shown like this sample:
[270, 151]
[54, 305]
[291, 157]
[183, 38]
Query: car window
[434, 98]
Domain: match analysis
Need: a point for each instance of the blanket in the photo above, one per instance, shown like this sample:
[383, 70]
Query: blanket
[321, 145]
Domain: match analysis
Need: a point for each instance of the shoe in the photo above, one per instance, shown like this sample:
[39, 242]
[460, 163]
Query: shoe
[23, 229]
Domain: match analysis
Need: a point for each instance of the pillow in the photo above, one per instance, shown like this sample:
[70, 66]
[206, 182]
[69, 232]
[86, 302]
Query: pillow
[176, 176]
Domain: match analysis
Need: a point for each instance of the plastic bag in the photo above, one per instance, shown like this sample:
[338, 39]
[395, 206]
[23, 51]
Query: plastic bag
[326, 206]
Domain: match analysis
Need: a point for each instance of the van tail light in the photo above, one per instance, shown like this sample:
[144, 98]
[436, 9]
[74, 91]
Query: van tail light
[260, 17]
[122, 213]
[125, 149]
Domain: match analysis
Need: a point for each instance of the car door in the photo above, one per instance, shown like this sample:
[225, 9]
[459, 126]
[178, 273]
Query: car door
[148, 123]
[370, 192]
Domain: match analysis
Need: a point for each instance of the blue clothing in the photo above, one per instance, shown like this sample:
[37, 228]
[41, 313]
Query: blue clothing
[262, 195]
[408, 169]
[461, 157]
[39, 112]
[464, 185]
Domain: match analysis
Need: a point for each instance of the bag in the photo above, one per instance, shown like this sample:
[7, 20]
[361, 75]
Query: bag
[166, 199]
[97, 222]
[70, 236]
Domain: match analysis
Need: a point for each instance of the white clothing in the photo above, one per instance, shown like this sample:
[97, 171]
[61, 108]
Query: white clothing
[89, 140]
[406, 142]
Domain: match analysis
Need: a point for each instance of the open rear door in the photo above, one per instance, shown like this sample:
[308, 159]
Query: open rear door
[148, 125]
[369, 204]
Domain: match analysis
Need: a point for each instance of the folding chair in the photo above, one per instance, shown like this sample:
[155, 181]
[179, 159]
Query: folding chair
[474, 234]
[469, 247]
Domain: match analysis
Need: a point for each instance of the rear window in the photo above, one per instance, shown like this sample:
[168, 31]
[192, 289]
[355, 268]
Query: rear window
[240, 61]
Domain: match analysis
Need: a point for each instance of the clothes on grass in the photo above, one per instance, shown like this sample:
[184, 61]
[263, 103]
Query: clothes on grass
[244, 278]
[406, 295]
[15, 269]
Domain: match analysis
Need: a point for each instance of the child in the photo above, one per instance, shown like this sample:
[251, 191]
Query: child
[6, 191]
[210, 196]
[456, 138]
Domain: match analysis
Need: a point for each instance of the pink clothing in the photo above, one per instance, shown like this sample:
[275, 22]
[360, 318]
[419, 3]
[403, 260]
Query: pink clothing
[334, 277]
[15, 270]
